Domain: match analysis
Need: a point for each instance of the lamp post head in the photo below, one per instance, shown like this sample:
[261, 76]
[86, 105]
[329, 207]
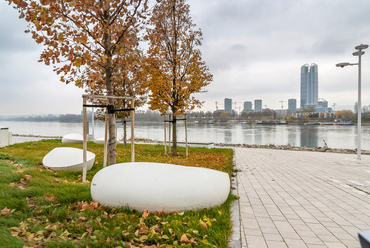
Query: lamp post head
[361, 47]
[358, 53]
[342, 64]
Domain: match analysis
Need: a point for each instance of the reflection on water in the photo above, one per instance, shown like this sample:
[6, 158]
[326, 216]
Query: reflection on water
[228, 136]
[309, 136]
[294, 135]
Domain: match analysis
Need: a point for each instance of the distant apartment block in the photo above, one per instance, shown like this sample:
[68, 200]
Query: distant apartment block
[292, 106]
[228, 105]
[257, 105]
[309, 85]
[323, 104]
[322, 107]
[247, 106]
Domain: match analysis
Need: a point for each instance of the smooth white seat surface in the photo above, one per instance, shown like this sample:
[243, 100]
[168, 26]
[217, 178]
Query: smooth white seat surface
[67, 158]
[99, 141]
[73, 138]
[157, 186]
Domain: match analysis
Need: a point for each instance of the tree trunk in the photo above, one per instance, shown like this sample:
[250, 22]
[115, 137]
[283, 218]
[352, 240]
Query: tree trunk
[174, 137]
[112, 141]
[124, 132]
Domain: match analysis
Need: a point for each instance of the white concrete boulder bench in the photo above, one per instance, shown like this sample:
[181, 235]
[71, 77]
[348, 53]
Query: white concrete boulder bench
[67, 158]
[99, 141]
[72, 138]
[159, 187]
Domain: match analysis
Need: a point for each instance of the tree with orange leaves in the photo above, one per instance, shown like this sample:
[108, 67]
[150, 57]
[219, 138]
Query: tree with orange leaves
[129, 77]
[85, 39]
[175, 67]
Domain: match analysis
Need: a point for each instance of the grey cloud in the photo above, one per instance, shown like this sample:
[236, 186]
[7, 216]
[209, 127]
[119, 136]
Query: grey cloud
[12, 36]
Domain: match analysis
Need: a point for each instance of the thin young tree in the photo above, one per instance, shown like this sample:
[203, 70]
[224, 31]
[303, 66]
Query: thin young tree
[127, 82]
[83, 39]
[175, 67]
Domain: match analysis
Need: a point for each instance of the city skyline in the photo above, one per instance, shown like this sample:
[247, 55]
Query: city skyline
[253, 49]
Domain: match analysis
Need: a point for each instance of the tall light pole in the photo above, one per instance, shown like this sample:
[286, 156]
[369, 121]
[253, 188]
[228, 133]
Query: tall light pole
[359, 53]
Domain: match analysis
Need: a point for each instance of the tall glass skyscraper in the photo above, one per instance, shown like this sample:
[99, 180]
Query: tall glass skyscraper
[292, 105]
[258, 105]
[309, 85]
[228, 105]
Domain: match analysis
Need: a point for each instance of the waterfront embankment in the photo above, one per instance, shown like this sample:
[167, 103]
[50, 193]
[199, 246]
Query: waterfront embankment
[295, 148]
[269, 146]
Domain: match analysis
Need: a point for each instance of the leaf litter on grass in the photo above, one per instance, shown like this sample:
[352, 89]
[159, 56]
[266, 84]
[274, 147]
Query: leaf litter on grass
[55, 221]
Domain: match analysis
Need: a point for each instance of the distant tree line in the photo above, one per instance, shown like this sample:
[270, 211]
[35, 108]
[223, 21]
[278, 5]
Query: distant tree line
[48, 118]
[73, 118]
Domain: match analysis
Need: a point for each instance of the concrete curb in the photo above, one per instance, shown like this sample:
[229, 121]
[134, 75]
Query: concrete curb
[235, 239]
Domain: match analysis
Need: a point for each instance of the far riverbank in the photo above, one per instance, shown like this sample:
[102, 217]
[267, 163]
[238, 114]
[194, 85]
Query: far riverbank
[227, 134]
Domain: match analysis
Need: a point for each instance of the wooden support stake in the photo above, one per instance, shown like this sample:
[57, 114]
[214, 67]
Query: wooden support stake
[169, 133]
[186, 136]
[132, 131]
[105, 140]
[84, 168]
[165, 138]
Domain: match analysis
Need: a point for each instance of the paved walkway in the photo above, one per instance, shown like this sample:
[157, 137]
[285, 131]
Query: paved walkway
[302, 199]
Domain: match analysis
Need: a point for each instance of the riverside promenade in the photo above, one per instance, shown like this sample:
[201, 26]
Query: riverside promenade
[301, 199]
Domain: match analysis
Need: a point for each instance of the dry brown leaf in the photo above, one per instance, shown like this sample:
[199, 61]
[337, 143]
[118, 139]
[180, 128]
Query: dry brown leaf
[50, 197]
[6, 211]
[192, 241]
[11, 184]
[85, 205]
[203, 224]
[19, 171]
[22, 187]
[57, 180]
[143, 227]
[95, 204]
[145, 213]
[184, 239]
[27, 177]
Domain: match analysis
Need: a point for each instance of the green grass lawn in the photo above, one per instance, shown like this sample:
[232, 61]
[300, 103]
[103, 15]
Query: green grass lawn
[42, 208]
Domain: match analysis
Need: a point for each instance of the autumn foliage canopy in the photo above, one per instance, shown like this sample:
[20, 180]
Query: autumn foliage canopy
[84, 39]
[175, 66]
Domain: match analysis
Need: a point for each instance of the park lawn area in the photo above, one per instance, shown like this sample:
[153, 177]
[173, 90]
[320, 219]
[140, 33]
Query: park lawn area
[42, 208]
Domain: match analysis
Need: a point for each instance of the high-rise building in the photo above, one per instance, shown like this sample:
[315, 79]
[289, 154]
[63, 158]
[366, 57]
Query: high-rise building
[228, 105]
[323, 104]
[257, 105]
[292, 105]
[309, 85]
[247, 106]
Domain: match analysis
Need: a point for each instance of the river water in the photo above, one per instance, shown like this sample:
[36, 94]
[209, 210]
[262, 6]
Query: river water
[294, 135]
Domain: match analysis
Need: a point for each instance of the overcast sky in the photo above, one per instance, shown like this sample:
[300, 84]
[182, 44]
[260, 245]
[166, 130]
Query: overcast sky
[254, 49]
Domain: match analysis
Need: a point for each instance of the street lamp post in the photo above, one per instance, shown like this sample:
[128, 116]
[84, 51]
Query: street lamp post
[359, 53]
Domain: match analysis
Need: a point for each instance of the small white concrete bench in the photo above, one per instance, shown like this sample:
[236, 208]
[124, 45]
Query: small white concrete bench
[67, 158]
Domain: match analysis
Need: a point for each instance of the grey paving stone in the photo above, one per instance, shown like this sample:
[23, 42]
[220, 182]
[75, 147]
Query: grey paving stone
[305, 198]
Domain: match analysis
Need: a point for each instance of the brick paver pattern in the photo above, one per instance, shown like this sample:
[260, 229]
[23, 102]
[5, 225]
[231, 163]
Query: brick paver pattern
[302, 199]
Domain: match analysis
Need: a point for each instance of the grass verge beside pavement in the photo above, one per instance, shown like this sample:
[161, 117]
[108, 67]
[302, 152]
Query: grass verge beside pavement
[42, 208]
